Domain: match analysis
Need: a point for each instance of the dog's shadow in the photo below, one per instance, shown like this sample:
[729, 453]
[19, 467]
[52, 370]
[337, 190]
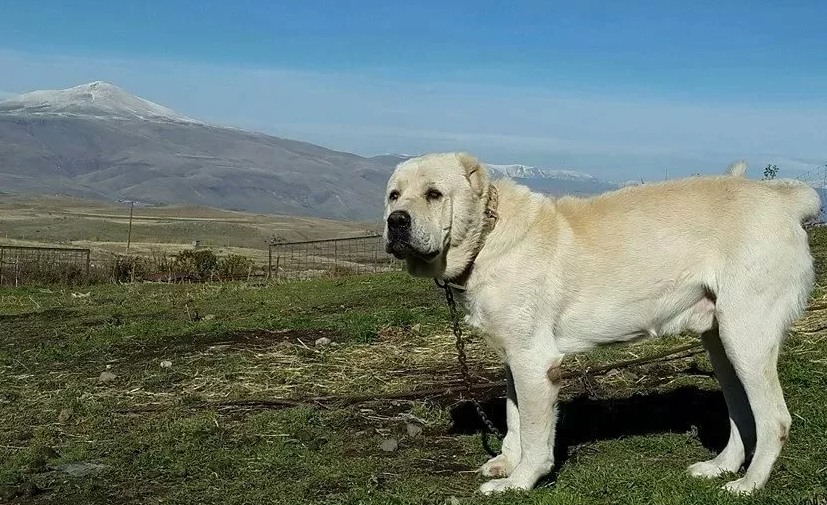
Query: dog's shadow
[583, 420]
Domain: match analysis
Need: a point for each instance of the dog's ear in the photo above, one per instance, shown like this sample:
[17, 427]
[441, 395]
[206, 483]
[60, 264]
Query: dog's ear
[474, 172]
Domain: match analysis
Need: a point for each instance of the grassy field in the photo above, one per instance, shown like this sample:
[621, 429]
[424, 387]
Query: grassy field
[168, 394]
[103, 227]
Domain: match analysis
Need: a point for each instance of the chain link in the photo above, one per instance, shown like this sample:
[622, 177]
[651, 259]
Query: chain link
[463, 367]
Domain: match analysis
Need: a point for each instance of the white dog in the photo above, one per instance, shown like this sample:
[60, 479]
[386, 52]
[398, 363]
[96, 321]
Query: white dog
[723, 256]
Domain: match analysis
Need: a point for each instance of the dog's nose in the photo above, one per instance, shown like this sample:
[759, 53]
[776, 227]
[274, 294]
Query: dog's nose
[399, 219]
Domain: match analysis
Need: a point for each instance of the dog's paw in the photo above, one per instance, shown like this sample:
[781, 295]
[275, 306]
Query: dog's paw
[500, 486]
[706, 469]
[740, 487]
[498, 466]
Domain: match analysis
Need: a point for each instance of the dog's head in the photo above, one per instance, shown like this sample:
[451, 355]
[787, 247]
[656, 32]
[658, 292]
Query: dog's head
[432, 205]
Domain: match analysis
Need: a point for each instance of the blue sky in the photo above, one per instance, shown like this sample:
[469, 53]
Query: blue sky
[620, 89]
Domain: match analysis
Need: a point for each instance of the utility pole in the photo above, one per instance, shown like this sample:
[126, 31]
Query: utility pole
[129, 236]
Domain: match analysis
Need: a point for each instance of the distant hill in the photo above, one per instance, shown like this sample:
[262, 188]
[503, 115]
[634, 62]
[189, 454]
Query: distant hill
[98, 141]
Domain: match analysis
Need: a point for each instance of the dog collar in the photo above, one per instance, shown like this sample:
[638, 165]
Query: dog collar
[491, 216]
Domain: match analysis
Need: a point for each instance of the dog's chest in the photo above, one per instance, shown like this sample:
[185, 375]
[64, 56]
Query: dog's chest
[489, 319]
[471, 308]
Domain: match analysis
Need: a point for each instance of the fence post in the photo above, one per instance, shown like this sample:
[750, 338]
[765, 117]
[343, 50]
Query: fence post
[269, 261]
[278, 259]
[88, 261]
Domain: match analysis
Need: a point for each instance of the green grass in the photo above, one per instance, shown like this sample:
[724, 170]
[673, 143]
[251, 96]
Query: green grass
[182, 434]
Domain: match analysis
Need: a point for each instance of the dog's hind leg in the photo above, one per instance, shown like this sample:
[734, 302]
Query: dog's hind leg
[741, 423]
[751, 333]
[503, 464]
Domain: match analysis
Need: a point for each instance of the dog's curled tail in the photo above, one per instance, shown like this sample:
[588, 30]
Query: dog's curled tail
[737, 168]
[804, 201]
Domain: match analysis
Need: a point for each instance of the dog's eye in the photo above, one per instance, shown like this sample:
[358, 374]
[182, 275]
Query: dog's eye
[393, 196]
[433, 194]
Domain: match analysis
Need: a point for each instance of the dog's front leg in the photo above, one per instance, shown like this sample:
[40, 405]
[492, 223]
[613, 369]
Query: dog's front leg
[536, 380]
[504, 463]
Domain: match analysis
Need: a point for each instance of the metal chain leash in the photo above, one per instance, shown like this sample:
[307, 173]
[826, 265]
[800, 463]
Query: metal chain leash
[463, 368]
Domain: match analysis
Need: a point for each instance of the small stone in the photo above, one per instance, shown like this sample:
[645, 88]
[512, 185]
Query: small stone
[81, 469]
[389, 445]
[323, 341]
[65, 415]
[107, 377]
[208, 317]
[166, 364]
[453, 500]
[413, 430]
[416, 328]
[109, 367]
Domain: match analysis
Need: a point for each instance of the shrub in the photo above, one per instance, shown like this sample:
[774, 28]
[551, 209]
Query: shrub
[161, 263]
[201, 263]
[235, 266]
[129, 268]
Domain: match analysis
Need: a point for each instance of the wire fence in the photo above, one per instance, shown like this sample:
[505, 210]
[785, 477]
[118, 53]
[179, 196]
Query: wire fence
[817, 179]
[286, 261]
[43, 265]
[333, 257]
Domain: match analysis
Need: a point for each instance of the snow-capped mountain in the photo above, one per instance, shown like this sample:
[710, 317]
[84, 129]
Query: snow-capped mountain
[545, 180]
[552, 182]
[631, 182]
[97, 140]
[97, 99]
[517, 171]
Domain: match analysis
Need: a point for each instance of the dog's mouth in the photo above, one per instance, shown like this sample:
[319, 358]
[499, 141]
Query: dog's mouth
[402, 249]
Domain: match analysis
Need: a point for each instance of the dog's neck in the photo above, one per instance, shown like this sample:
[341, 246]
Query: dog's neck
[460, 260]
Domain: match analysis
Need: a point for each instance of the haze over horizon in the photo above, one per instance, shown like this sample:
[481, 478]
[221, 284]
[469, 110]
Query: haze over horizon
[621, 92]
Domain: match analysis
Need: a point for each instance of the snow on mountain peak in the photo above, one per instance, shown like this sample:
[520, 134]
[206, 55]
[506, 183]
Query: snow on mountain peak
[96, 99]
[528, 172]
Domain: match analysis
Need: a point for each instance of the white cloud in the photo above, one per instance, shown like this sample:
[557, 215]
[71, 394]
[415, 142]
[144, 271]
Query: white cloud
[614, 137]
